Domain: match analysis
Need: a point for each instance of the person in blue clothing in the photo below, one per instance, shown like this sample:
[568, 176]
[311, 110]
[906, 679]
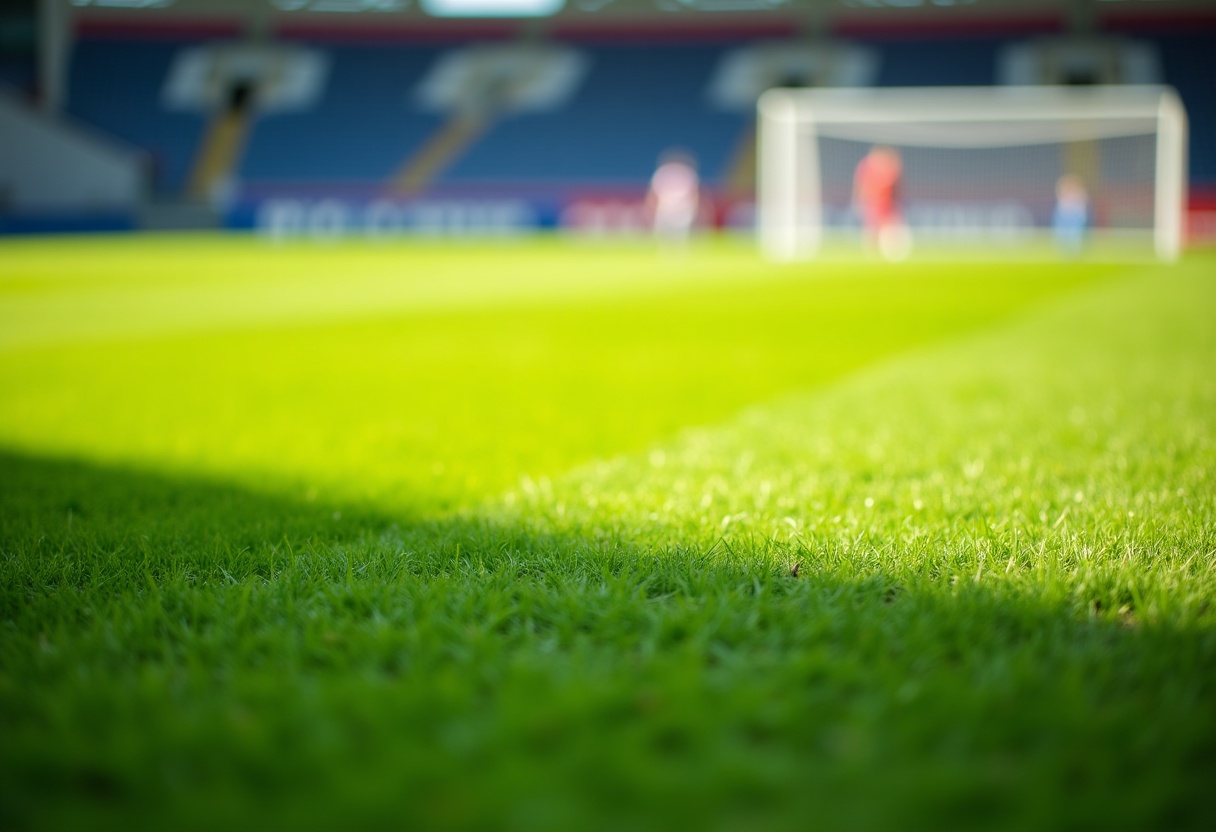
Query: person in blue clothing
[1070, 220]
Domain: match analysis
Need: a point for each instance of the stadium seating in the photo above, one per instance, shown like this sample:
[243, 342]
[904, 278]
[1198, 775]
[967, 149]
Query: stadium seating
[1190, 67]
[636, 101]
[362, 130]
[933, 63]
[116, 84]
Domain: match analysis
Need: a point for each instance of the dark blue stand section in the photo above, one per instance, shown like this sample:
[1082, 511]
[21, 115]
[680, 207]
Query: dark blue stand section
[65, 224]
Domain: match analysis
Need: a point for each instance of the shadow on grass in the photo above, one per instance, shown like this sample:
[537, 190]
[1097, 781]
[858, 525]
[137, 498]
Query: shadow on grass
[184, 654]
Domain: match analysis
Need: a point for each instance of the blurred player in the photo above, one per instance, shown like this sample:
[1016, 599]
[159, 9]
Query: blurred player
[876, 199]
[1070, 220]
[675, 195]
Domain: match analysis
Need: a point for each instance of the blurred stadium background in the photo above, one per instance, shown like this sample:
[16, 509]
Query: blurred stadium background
[503, 533]
[491, 116]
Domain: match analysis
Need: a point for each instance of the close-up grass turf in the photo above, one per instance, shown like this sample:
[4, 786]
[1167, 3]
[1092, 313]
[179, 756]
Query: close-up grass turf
[546, 535]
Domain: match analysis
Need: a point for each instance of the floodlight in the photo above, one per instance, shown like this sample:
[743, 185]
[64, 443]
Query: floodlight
[492, 8]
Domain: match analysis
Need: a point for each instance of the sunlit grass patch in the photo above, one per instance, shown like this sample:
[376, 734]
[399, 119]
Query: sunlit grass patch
[469, 369]
[531, 565]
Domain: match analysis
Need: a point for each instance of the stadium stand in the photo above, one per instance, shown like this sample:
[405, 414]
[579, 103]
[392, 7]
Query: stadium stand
[937, 62]
[1191, 68]
[639, 97]
[637, 101]
[115, 85]
[361, 130]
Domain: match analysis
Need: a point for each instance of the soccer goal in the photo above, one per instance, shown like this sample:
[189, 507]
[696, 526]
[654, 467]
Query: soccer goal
[981, 166]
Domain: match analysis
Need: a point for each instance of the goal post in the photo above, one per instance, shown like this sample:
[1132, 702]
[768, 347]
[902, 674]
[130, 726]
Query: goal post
[980, 164]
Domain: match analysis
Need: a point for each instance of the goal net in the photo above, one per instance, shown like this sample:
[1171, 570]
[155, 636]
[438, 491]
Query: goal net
[980, 166]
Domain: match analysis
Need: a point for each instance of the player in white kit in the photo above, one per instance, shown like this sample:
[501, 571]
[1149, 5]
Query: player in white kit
[674, 198]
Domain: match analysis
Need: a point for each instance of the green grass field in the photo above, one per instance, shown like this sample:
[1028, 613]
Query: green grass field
[500, 536]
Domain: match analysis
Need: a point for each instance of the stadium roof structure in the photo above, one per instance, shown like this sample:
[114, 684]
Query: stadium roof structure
[813, 15]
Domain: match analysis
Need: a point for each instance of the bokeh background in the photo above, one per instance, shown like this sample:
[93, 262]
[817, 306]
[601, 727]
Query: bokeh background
[449, 520]
[384, 117]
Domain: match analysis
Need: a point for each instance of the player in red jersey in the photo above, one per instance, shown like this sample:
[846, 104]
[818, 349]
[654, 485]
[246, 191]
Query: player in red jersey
[876, 197]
